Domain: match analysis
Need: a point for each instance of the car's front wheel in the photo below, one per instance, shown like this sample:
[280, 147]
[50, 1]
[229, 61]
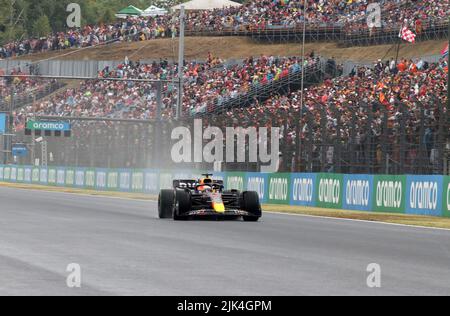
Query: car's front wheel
[183, 205]
[250, 203]
[165, 204]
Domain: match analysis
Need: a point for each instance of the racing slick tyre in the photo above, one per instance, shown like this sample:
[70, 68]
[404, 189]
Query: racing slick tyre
[183, 205]
[250, 203]
[165, 204]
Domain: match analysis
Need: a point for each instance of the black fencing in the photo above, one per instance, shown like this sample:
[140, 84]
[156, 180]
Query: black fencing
[344, 35]
[362, 138]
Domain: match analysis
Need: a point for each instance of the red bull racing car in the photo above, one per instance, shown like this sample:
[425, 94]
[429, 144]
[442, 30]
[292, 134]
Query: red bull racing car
[206, 198]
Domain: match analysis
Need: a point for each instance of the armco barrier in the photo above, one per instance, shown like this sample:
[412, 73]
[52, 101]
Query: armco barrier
[421, 195]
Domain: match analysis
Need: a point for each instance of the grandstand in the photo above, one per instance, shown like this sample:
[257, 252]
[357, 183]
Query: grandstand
[385, 117]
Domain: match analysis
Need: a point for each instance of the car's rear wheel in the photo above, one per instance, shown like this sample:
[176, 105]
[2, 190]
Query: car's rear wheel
[250, 203]
[165, 204]
[183, 205]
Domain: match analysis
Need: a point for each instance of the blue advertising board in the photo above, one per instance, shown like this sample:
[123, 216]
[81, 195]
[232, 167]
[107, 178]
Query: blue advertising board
[424, 195]
[303, 189]
[358, 192]
[3, 123]
[19, 150]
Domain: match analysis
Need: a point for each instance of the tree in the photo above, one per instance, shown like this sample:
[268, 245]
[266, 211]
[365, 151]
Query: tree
[108, 16]
[42, 27]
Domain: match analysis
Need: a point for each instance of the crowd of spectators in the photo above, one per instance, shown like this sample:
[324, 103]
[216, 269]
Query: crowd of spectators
[20, 87]
[409, 95]
[206, 84]
[254, 15]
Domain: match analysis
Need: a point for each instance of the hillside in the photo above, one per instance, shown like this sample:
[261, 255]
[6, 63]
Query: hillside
[235, 48]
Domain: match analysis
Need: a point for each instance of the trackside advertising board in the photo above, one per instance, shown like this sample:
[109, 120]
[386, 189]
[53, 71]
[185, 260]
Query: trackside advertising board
[446, 197]
[389, 194]
[424, 195]
[279, 188]
[358, 194]
[421, 195]
[329, 190]
[303, 189]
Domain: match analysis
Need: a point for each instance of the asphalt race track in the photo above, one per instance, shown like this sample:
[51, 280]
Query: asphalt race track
[124, 249]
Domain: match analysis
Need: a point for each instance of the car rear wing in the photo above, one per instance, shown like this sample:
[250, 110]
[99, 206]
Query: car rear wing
[192, 184]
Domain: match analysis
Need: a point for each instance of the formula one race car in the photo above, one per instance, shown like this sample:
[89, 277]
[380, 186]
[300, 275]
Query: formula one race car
[206, 198]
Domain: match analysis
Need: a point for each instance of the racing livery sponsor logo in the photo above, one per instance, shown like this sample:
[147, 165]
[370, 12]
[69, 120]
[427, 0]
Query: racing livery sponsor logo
[303, 189]
[358, 192]
[424, 195]
[279, 188]
[329, 191]
[389, 194]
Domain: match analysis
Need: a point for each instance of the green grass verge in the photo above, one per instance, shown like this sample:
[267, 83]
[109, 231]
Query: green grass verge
[412, 220]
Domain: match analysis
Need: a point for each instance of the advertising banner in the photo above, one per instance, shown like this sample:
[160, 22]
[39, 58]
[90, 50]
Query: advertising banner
[70, 177]
[151, 182]
[13, 176]
[389, 194]
[279, 188]
[7, 173]
[165, 181]
[28, 174]
[424, 195]
[137, 181]
[35, 175]
[446, 197]
[89, 179]
[80, 178]
[124, 180]
[329, 190]
[112, 183]
[101, 179]
[303, 189]
[3, 124]
[52, 176]
[2, 168]
[43, 176]
[60, 177]
[258, 182]
[358, 192]
[20, 174]
[235, 181]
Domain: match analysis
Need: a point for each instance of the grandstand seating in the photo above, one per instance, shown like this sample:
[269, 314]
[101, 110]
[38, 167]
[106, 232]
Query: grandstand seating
[331, 20]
